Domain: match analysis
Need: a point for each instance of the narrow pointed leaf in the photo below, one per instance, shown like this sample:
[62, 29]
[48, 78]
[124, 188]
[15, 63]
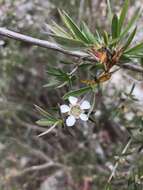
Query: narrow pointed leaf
[57, 30]
[66, 23]
[54, 71]
[132, 89]
[115, 27]
[45, 122]
[135, 55]
[123, 15]
[91, 38]
[110, 13]
[79, 92]
[105, 37]
[130, 39]
[130, 24]
[53, 83]
[60, 29]
[44, 113]
[99, 37]
[75, 30]
[136, 49]
[127, 28]
[69, 42]
[125, 59]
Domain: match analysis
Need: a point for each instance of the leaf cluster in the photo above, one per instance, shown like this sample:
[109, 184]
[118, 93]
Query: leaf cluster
[120, 36]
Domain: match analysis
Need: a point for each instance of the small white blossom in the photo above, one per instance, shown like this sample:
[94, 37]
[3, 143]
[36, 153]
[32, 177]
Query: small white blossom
[75, 110]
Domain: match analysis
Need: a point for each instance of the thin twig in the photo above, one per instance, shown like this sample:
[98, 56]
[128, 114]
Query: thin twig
[33, 151]
[42, 43]
[74, 70]
[29, 125]
[117, 163]
[38, 168]
[49, 130]
[131, 67]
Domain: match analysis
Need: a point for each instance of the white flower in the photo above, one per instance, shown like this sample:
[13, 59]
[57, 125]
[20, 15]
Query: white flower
[75, 110]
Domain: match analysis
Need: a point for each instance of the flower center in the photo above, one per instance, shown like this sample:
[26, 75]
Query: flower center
[75, 111]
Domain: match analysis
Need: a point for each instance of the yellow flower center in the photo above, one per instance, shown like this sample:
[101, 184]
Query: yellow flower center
[75, 111]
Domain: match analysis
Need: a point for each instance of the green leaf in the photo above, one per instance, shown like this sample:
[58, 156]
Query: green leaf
[75, 30]
[135, 50]
[59, 74]
[110, 13]
[108, 187]
[135, 55]
[91, 38]
[44, 113]
[60, 29]
[57, 30]
[45, 122]
[127, 28]
[52, 83]
[130, 39]
[99, 37]
[61, 78]
[68, 42]
[115, 27]
[54, 71]
[105, 37]
[79, 92]
[124, 59]
[132, 89]
[130, 23]
[123, 15]
[65, 62]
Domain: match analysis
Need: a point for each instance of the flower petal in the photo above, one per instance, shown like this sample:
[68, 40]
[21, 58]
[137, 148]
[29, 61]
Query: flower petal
[73, 100]
[70, 121]
[64, 108]
[83, 117]
[85, 105]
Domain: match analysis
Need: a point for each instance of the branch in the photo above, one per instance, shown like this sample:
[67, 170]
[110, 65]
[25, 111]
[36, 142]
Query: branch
[29, 126]
[49, 45]
[42, 43]
[34, 151]
[118, 161]
[38, 168]
[132, 67]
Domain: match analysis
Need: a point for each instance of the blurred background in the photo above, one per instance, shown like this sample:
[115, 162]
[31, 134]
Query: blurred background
[59, 160]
